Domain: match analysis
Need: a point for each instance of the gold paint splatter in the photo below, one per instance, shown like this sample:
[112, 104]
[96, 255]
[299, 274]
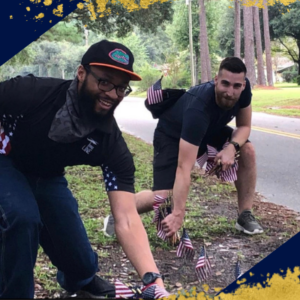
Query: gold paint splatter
[80, 5]
[58, 12]
[11, 17]
[277, 287]
[28, 8]
[40, 16]
[47, 2]
[36, 1]
[50, 21]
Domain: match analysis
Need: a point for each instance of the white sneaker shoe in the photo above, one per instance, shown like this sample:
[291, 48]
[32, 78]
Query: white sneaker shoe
[109, 226]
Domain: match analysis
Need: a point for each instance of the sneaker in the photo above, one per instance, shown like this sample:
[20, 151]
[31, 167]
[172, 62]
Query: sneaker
[98, 288]
[109, 226]
[247, 223]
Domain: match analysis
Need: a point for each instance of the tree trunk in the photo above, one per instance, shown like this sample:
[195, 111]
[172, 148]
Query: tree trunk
[267, 44]
[196, 69]
[204, 51]
[237, 29]
[261, 80]
[249, 44]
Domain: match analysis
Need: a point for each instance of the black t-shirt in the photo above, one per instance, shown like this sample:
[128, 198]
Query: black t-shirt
[27, 108]
[196, 116]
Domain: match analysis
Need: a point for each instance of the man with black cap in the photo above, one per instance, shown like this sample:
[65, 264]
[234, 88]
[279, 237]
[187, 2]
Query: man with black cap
[46, 125]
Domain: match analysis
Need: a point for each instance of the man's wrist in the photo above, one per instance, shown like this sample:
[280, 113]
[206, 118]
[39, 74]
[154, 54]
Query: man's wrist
[235, 145]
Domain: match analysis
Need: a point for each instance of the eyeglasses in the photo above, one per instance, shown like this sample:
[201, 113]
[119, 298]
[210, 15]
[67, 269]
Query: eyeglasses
[107, 86]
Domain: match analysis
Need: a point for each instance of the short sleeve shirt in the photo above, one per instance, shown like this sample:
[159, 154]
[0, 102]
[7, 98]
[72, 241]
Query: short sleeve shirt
[196, 116]
[27, 108]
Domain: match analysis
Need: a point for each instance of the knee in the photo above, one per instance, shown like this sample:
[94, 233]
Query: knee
[248, 153]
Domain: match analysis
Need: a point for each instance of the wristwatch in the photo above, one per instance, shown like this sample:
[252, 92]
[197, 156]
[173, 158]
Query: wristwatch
[150, 277]
[236, 146]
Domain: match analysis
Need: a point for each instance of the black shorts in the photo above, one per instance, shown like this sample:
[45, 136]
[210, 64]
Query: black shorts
[166, 150]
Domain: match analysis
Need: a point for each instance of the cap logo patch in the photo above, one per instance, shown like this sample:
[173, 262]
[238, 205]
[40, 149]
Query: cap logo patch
[119, 56]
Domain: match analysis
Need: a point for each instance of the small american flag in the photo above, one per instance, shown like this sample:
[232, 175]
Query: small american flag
[154, 291]
[126, 291]
[4, 142]
[238, 270]
[185, 248]
[203, 266]
[230, 175]
[154, 93]
[158, 201]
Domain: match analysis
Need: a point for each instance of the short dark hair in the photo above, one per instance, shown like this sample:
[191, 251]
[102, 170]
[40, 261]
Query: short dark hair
[233, 64]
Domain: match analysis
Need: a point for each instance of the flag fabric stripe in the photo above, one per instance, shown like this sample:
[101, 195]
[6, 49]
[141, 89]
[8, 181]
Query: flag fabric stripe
[158, 201]
[230, 175]
[154, 93]
[203, 266]
[123, 291]
[185, 248]
[5, 146]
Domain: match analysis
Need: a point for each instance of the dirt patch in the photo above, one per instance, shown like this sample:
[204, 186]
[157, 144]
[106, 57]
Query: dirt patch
[223, 248]
[291, 107]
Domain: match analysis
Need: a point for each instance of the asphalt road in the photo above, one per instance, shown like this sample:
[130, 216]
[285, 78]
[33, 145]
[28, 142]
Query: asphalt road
[276, 139]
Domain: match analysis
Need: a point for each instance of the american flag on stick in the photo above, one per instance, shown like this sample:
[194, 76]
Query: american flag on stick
[230, 175]
[155, 93]
[185, 248]
[154, 292]
[162, 211]
[158, 201]
[203, 266]
[127, 291]
[238, 270]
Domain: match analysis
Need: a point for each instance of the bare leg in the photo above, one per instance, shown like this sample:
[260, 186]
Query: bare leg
[145, 199]
[246, 174]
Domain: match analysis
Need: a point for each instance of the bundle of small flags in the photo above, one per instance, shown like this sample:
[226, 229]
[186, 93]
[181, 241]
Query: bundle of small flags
[162, 208]
[127, 291]
[238, 270]
[230, 175]
[203, 266]
[185, 248]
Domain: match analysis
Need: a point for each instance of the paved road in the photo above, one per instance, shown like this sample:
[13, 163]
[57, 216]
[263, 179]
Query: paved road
[276, 139]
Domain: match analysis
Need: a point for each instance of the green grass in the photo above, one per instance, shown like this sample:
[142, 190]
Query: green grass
[277, 101]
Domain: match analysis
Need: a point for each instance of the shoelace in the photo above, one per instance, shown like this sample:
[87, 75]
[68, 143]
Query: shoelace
[247, 215]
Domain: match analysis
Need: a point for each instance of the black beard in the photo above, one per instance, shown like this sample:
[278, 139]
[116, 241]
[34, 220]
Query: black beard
[87, 102]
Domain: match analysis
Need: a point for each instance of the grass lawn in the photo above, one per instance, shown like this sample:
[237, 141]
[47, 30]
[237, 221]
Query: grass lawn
[210, 217]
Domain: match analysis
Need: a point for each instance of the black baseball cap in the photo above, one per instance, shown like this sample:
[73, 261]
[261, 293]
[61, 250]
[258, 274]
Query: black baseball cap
[111, 55]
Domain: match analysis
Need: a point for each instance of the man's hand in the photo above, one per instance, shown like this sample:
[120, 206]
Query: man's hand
[172, 223]
[226, 157]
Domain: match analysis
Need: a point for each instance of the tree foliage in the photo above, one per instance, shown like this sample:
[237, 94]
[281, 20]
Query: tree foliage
[121, 22]
[285, 22]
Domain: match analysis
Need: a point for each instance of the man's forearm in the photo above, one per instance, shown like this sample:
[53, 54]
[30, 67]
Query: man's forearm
[133, 239]
[241, 134]
[181, 191]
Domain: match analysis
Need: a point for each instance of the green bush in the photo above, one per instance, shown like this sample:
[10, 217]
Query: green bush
[149, 76]
[289, 76]
[298, 79]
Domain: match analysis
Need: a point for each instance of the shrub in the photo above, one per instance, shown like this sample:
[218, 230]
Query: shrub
[298, 79]
[289, 76]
